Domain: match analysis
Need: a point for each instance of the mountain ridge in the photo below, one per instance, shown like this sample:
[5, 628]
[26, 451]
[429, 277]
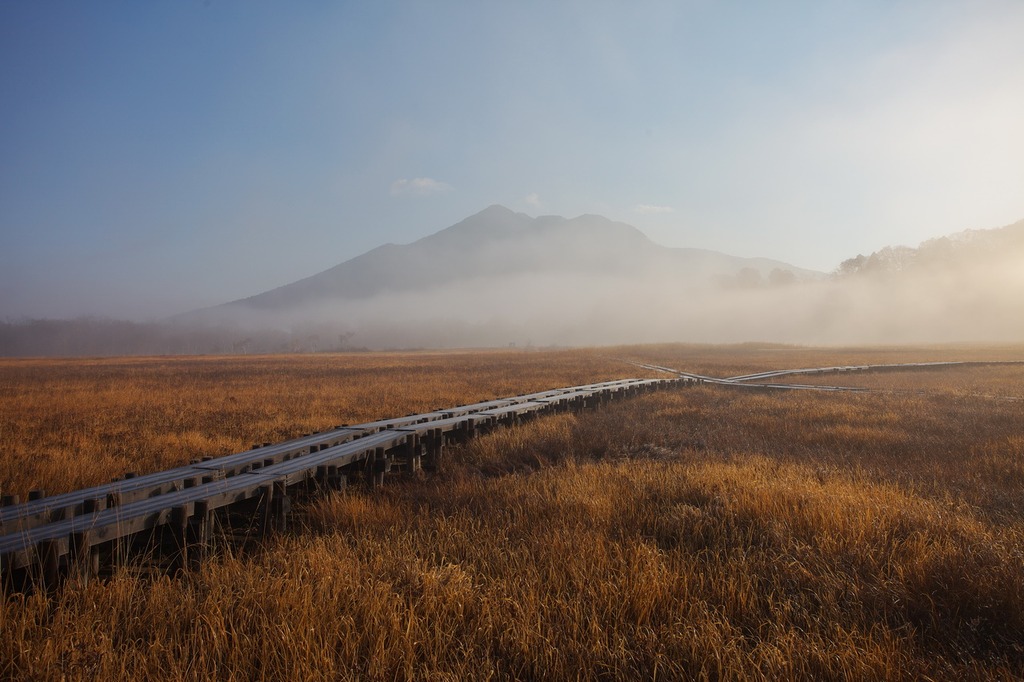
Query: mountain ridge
[498, 242]
[500, 277]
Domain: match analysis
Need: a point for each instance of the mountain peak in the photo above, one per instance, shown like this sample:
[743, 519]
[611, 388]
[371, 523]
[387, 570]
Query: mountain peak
[493, 223]
[495, 250]
[496, 209]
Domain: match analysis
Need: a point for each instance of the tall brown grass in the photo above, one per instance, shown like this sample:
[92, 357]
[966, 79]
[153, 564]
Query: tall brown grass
[699, 534]
[68, 424]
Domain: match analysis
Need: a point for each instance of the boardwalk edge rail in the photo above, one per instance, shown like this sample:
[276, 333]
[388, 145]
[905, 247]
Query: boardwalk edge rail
[46, 539]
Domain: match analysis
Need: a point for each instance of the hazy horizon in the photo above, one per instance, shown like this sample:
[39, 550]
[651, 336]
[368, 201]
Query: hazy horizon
[164, 158]
[502, 278]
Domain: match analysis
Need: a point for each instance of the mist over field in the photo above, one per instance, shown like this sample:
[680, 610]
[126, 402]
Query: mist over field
[977, 305]
[501, 278]
[706, 320]
[260, 177]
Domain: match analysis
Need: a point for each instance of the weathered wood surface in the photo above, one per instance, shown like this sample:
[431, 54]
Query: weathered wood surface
[54, 535]
[47, 537]
[748, 380]
[18, 517]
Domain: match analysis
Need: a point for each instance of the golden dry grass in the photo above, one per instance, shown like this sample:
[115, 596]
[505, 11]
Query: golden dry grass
[699, 534]
[68, 424]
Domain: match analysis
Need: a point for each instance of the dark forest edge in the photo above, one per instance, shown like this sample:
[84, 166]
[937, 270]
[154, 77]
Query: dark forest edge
[101, 337]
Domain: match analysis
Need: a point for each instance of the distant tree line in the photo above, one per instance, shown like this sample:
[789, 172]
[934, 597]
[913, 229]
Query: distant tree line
[91, 336]
[968, 248]
[751, 278]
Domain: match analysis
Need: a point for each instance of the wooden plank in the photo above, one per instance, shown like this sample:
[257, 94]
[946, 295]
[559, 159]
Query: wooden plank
[48, 529]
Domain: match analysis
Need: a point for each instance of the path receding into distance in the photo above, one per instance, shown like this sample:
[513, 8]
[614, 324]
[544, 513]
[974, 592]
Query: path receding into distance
[756, 380]
[179, 510]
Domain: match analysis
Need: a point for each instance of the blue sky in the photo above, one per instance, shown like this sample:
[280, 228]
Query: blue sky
[161, 156]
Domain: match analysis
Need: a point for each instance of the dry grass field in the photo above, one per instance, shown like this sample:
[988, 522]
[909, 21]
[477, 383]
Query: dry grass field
[67, 424]
[699, 534]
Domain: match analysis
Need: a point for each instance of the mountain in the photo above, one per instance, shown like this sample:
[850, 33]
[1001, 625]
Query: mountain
[498, 244]
[502, 277]
[496, 277]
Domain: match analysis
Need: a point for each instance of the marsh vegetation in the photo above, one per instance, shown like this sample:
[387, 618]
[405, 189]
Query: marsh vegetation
[698, 534]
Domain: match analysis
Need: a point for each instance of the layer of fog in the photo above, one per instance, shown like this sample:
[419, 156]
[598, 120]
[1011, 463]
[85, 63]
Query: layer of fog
[967, 288]
[976, 303]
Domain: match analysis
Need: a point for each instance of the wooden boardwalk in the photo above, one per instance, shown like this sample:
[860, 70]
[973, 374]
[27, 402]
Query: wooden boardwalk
[758, 380]
[47, 538]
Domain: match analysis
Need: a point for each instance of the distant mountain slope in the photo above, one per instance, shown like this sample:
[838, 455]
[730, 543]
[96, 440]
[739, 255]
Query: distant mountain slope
[496, 244]
[501, 277]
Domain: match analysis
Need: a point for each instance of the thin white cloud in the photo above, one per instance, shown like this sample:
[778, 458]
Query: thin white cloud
[651, 209]
[418, 187]
[533, 200]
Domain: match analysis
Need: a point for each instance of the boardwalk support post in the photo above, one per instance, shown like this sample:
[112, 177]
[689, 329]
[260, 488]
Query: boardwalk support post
[411, 452]
[381, 465]
[48, 557]
[179, 523]
[435, 448]
[280, 507]
[200, 532]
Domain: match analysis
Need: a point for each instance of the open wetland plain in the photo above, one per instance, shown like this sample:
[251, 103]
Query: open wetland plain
[711, 532]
